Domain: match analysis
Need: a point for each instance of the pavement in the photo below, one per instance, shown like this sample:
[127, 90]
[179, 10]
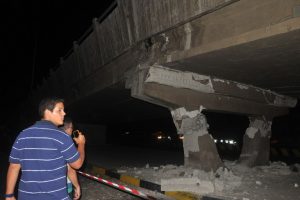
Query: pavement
[178, 195]
[105, 160]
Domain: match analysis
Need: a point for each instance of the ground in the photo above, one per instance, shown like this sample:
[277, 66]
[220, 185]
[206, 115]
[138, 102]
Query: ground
[277, 181]
[92, 190]
[274, 182]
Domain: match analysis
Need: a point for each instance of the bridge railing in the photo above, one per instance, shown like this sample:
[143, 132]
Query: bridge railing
[123, 25]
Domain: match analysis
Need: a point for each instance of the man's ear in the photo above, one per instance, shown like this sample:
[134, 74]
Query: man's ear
[47, 113]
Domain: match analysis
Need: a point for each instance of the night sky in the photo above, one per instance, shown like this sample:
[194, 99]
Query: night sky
[34, 35]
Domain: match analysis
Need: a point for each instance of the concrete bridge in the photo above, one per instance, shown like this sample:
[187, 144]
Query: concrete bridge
[183, 57]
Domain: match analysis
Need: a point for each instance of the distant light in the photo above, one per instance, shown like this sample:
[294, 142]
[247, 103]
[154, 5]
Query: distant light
[169, 137]
[159, 137]
[231, 142]
[127, 133]
[181, 137]
[215, 140]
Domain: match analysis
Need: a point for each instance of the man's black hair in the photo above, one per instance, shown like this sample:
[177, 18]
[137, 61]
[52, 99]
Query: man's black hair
[67, 121]
[48, 104]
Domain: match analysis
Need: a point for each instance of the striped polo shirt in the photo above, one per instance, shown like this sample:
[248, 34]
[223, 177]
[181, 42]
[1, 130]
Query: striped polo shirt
[43, 151]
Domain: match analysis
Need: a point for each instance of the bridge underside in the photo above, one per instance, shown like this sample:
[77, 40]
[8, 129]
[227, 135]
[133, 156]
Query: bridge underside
[248, 44]
[267, 62]
[271, 63]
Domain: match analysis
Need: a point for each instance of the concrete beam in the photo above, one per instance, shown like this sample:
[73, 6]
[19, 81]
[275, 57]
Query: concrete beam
[220, 87]
[135, 78]
[240, 23]
[172, 88]
[190, 99]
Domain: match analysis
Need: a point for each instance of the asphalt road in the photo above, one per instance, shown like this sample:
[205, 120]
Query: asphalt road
[92, 190]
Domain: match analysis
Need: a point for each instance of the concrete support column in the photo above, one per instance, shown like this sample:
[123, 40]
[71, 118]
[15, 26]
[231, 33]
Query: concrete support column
[200, 151]
[256, 142]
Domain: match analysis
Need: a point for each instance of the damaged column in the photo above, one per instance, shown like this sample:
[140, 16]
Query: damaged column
[256, 142]
[181, 91]
[200, 151]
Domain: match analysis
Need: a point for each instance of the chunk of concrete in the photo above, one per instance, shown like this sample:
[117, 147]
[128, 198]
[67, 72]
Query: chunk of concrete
[193, 185]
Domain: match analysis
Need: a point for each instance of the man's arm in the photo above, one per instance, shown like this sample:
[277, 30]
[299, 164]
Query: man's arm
[11, 180]
[80, 140]
[72, 175]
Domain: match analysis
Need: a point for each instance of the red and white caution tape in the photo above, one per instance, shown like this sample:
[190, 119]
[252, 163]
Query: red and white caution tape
[120, 187]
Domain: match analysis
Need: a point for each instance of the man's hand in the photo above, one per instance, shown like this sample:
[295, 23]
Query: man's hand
[77, 192]
[80, 139]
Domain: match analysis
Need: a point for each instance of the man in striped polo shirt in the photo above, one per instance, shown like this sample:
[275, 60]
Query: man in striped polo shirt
[42, 152]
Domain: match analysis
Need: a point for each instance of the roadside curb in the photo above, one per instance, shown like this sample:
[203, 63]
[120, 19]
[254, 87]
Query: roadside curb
[148, 185]
[144, 184]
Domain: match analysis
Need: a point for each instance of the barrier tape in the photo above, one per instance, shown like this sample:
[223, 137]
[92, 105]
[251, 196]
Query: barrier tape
[118, 186]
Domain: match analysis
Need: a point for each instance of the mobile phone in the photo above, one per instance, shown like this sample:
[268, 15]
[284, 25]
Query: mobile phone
[75, 133]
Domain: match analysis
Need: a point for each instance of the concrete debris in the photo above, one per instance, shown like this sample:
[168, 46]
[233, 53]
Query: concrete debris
[194, 185]
[198, 181]
[277, 168]
[258, 183]
[231, 180]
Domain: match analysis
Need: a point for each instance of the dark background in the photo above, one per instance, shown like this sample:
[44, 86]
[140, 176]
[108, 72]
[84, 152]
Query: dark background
[34, 35]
